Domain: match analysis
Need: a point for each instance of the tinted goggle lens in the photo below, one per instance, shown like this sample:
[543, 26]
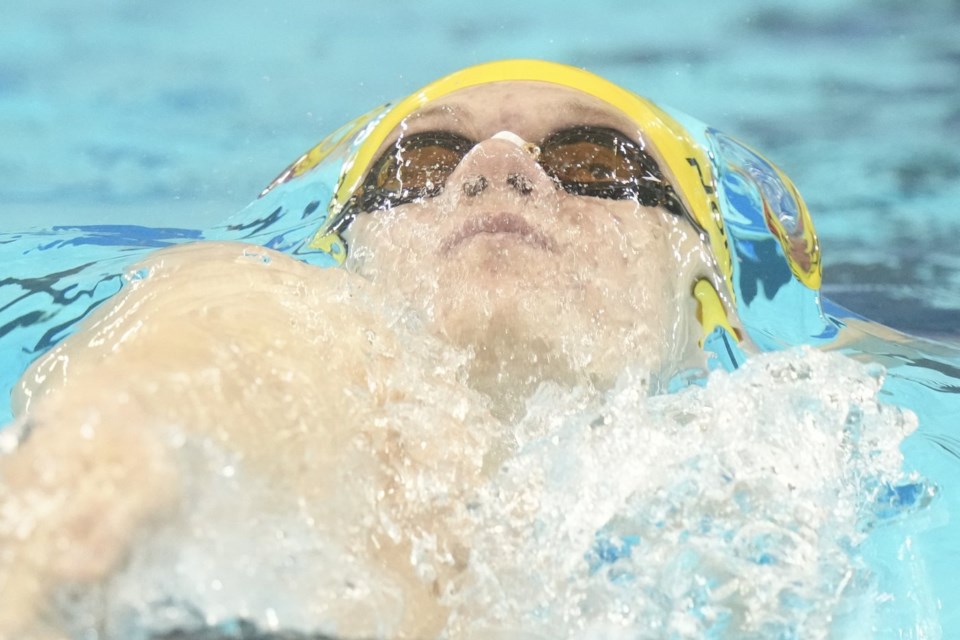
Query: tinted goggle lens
[414, 167]
[603, 163]
[585, 160]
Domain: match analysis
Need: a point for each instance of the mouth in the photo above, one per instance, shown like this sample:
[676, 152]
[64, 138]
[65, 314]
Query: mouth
[499, 224]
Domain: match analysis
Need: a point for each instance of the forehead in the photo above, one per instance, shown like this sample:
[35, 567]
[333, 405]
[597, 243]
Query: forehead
[531, 110]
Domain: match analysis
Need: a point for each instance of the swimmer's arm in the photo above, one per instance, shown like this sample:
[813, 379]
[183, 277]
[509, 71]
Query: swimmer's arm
[72, 497]
[189, 346]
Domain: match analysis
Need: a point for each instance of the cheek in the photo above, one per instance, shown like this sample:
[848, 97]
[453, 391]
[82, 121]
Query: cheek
[628, 259]
[387, 244]
[616, 238]
[397, 250]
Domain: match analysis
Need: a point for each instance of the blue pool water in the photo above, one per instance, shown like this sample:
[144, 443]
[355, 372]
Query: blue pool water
[131, 126]
[172, 116]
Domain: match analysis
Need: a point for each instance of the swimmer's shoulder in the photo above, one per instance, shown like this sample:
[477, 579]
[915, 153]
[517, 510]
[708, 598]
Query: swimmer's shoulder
[247, 285]
[233, 264]
[184, 307]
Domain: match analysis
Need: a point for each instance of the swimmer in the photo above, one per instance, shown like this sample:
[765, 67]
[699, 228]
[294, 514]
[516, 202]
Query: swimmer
[512, 225]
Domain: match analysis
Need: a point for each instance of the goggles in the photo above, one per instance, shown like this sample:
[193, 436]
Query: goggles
[731, 194]
[591, 161]
[685, 162]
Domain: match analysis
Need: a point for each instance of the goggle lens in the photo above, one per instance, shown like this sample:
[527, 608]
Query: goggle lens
[599, 162]
[414, 167]
[585, 160]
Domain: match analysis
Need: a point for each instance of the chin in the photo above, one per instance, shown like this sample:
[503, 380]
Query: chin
[512, 313]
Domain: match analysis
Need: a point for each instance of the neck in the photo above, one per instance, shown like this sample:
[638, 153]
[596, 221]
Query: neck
[508, 370]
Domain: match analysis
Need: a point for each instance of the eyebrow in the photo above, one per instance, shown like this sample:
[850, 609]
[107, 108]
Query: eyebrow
[581, 110]
[433, 111]
[572, 107]
[610, 117]
[569, 109]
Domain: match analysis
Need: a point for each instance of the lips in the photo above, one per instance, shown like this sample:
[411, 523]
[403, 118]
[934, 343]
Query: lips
[495, 224]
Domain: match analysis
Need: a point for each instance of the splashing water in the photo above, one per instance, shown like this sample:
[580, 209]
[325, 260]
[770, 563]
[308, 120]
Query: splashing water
[736, 510]
[729, 511]
[752, 506]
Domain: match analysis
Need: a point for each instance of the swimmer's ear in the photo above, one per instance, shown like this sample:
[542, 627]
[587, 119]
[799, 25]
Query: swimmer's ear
[722, 336]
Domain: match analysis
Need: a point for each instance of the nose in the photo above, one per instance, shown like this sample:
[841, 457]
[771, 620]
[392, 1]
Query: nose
[501, 166]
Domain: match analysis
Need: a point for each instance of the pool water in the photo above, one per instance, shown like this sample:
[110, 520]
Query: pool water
[132, 127]
[176, 115]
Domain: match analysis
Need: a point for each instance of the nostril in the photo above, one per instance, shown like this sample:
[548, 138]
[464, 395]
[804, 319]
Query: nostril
[521, 183]
[474, 186]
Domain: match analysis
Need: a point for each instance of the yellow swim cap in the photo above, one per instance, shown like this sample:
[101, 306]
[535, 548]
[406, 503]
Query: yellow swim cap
[688, 157]
[685, 160]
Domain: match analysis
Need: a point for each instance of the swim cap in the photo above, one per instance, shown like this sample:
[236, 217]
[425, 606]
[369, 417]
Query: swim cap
[745, 208]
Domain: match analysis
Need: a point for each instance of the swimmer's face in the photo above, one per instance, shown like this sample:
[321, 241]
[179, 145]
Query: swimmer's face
[523, 212]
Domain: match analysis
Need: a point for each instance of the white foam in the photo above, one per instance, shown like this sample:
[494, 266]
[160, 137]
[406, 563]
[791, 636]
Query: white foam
[744, 503]
[734, 510]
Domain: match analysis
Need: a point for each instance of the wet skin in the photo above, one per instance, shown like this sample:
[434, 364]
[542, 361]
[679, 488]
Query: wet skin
[239, 345]
[485, 267]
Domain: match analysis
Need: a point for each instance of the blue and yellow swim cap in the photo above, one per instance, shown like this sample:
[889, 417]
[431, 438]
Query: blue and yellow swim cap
[741, 203]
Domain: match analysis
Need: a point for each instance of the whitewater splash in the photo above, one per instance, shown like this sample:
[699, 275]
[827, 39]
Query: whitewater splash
[733, 510]
[743, 508]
